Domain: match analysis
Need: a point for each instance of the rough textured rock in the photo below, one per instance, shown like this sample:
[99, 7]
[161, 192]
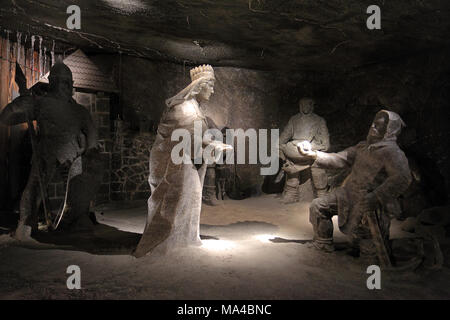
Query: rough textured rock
[307, 35]
[130, 164]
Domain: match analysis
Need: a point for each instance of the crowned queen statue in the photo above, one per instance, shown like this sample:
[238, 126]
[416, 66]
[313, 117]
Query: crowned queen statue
[176, 188]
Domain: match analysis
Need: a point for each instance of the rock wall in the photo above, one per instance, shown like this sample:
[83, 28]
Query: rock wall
[130, 159]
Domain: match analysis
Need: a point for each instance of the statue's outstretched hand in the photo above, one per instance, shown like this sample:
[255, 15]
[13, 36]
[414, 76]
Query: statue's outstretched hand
[304, 148]
[217, 152]
[220, 146]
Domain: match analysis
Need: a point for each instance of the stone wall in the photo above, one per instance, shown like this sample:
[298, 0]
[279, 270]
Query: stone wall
[130, 163]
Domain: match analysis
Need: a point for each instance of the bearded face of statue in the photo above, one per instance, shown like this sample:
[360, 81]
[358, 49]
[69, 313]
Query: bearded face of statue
[378, 128]
[306, 105]
[206, 91]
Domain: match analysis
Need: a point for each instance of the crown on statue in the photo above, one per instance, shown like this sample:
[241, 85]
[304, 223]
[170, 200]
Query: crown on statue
[202, 71]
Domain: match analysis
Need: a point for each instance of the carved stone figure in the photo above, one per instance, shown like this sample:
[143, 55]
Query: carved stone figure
[304, 126]
[209, 196]
[176, 189]
[379, 175]
[65, 133]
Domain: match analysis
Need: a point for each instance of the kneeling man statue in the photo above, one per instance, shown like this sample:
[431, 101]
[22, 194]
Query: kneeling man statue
[379, 175]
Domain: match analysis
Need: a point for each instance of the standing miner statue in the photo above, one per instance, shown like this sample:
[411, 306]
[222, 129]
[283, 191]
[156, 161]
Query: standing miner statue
[369, 196]
[64, 133]
[304, 126]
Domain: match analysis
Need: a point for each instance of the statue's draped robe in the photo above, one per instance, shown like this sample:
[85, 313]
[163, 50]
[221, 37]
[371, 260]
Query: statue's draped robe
[176, 189]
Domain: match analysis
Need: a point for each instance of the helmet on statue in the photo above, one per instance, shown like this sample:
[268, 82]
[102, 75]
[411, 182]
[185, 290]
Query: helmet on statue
[60, 72]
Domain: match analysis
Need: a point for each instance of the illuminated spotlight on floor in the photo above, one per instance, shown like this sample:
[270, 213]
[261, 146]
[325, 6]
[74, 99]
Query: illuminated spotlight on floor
[217, 245]
[265, 238]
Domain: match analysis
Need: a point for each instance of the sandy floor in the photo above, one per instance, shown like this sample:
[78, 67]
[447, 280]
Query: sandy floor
[236, 261]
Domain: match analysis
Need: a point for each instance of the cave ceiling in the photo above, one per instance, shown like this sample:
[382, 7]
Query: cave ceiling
[327, 35]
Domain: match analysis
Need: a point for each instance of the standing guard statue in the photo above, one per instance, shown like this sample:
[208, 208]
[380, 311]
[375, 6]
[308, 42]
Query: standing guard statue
[65, 132]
